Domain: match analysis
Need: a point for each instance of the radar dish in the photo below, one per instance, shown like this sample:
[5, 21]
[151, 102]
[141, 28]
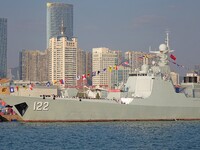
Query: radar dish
[163, 47]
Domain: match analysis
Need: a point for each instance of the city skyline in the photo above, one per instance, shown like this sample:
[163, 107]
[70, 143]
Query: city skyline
[116, 24]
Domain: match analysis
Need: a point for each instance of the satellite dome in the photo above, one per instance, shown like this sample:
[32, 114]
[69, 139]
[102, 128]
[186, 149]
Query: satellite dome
[163, 47]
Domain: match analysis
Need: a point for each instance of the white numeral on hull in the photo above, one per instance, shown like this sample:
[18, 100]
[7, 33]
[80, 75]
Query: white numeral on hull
[41, 106]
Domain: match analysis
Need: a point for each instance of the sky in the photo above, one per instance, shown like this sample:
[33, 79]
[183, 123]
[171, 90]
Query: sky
[116, 24]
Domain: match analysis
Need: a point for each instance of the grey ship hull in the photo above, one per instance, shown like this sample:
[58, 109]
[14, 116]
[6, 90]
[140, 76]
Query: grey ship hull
[162, 104]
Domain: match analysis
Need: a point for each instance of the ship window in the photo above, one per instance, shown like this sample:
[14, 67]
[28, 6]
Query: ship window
[190, 79]
[195, 79]
[132, 74]
[186, 79]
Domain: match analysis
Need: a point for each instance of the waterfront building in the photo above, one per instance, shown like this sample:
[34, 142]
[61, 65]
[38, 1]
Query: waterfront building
[3, 47]
[62, 54]
[81, 68]
[135, 59]
[120, 76]
[33, 65]
[120, 57]
[13, 73]
[102, 58]
[58, 14]
[84, 67]
[81, 60]
[88, 66]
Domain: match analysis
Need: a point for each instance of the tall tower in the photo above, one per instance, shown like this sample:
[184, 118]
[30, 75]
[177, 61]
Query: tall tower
[58, 14]
[3, 47]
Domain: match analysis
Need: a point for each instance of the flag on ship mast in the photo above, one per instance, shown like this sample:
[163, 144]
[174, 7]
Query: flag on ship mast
[31, 86]
[93, 73]
[173, 57]
[12, 90]
[84, 77]
[104, 70]
[78, 77]
[48, 84]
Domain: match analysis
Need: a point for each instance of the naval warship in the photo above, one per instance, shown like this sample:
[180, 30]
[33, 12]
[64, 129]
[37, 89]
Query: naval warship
[149, 94]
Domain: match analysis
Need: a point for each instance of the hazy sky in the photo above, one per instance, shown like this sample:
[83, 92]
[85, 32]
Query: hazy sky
[116, 24]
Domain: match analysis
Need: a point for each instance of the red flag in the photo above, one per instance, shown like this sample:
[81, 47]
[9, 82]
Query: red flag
[3, 103]
[125, 63]
[173, 57]
[116, 67]
[62, 81]
[83, 76]
[31, 87]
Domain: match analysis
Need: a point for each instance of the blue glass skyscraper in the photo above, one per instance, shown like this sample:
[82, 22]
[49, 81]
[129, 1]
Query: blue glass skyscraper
[58, 15]
[3, 47]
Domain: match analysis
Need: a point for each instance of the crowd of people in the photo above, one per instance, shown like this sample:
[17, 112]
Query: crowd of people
[5, 109]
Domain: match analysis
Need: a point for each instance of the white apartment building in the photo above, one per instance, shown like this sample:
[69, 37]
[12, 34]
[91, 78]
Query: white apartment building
[63, 60]
[102, 58]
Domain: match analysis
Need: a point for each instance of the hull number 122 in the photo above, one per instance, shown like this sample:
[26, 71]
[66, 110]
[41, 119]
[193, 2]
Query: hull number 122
[41, 106]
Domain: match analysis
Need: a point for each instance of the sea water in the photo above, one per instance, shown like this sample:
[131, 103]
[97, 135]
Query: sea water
[100, 136]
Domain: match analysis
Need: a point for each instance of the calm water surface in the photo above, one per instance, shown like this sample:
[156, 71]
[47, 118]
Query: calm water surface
[103, 136]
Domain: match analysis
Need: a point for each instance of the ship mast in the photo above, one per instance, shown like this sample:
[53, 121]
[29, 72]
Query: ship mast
[167, 40]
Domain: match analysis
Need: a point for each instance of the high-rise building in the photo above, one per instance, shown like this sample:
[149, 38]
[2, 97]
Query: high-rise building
[13, 73]
[62, 54]
[135, 59]
[102, 58]
[33, 65]
[3, 47]
[120, 76]
[119, 56]
[58, 14]
[81, 60]
[84, 67]
[88, 66]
